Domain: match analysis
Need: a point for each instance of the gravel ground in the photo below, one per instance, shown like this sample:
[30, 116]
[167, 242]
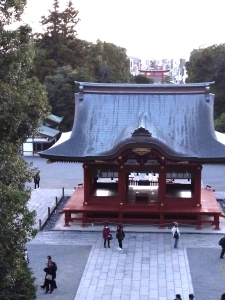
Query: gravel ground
[50, 223]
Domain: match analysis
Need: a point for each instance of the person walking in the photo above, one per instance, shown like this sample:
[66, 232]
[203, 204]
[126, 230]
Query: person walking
[37, 180]
[223, 297]
[191, 297]
[120, 235]
[106, 235]
[222, 244]
[176, 233]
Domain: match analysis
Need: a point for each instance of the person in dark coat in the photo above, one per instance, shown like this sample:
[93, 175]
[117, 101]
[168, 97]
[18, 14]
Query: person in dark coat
[178, 297]
[49, 274]
[54, 269]
[191, 297]
[37, 180]
[222, 244]
[120, 235]
[106, 235]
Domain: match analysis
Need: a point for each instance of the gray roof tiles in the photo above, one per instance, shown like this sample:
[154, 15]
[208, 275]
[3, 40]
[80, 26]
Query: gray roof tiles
[179, 119]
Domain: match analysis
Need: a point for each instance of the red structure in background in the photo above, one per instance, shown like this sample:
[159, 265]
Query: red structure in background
[142, 149]
[156, 74]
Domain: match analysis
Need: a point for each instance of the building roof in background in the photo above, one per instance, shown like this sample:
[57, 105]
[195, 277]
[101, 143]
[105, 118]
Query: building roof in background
[48, 131]
[176, 120]
[53, 120]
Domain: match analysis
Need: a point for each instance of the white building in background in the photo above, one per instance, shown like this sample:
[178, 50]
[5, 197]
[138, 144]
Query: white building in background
[178, 71]
[135, 65]
[48, 135]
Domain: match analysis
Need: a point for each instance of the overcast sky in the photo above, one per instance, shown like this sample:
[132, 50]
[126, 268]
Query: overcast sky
[146, 28]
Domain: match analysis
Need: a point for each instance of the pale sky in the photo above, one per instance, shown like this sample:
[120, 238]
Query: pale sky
[146, 28]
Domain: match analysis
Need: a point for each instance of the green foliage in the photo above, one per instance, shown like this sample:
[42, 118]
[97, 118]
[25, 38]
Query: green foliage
[110, 63]
[16, 281]
[23, 103]
[220, 123]
[58, 46]
[167, 80]
[206, 65]
[142, 79]
[61, 25]
[9, 8]
[61, 89]
[62, 58]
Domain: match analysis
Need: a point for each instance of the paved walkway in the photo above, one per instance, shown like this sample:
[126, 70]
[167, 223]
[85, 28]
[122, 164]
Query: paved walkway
[148, 267]
[43, 201]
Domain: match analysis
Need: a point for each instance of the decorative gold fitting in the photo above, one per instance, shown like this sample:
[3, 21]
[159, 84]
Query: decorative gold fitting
[121, 203]
[85, 203]
[162, 167]
[161, 204]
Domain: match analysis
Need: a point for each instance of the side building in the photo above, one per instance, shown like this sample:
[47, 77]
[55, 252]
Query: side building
[47, 136]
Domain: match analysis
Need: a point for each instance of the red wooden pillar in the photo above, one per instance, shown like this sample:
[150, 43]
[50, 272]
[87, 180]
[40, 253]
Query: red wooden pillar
[121, 191]
[87, 188]
[84, 219]
[67, 219]
[122, 185]
[217, 222]
[162, 187]
[120, 218]
[161, 222]
[162, 194]
[197, 185]
[199, 222]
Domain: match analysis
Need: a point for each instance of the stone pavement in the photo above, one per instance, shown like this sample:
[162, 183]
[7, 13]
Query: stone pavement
[43, 201]
[148, 267]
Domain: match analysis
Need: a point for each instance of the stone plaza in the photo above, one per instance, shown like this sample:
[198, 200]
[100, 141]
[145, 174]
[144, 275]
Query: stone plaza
[147, 268]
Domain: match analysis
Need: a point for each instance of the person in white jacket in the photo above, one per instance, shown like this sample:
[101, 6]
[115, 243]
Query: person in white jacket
[176, 233]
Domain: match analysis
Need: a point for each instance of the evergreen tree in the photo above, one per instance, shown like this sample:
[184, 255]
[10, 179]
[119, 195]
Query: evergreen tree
[140, 78]
[23, 103]
[58, 46]
[207, 65]
[110, 63]
[61, 89]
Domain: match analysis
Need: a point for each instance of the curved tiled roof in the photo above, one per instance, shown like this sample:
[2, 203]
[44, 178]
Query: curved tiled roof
[175, 119]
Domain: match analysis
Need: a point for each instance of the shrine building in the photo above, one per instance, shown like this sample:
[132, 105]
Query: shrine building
[142, 147]
[157, 75]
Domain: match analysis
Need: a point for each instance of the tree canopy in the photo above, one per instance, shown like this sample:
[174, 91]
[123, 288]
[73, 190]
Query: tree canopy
[61, 58]
[140, 78]
[207, 65]
[61, 89]
[23, 104]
